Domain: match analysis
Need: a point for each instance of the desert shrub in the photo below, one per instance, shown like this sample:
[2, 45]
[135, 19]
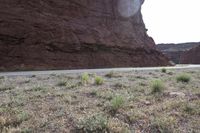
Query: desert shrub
[120, 85]
[93, 93]
[183, 78]
[163, 70]
[110, 74]
[26, 130]
[164, 124]
[96, 123]
[188, 109]
[157, 86]
[85, 78]
[23, 116]
[38, 89]
[116, 103]
[116, 125]
[99, 80]
[113, 74]
[191, 108]
[5, 88]
[62, 83]
[11, 118]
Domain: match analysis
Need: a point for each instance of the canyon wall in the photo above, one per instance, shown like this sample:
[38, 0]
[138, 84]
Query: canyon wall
[176, 52]
[191, 56]
[69, 34]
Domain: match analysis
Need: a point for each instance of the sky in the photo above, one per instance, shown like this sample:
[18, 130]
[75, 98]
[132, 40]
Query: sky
[172, 21]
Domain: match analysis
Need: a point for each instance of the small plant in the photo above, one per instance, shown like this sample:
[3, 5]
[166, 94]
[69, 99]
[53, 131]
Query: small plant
[183, 78]
[117, 102]
[26, 130]
[107, 95]
[116, 125]
[84, 78]
[62, 83]
[113, 74]
[99, 80]
[189, 109]
[23, 116]
[11, 118]
[38, 89]
[5, 88]
[95, 123]
[157, 86]
[71, 85]
[110, 74]
[163, 70]
[93, 93]
[192, 109]
[164, 124]
[120, 86]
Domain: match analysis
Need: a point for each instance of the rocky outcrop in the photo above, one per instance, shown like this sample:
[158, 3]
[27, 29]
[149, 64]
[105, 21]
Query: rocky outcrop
[176, 51]
[66, 34]
[191, 56]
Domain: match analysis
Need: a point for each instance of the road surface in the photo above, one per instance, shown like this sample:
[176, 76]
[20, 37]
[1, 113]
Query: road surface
[27, 73]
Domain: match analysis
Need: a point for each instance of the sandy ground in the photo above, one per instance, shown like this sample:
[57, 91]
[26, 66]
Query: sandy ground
[123, 102]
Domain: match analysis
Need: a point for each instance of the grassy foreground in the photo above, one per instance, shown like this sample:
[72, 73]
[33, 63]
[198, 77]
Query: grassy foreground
[161, 101]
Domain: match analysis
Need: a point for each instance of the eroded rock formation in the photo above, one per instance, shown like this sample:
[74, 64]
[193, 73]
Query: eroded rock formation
[176, 51]
[66, 34]
[191, 56]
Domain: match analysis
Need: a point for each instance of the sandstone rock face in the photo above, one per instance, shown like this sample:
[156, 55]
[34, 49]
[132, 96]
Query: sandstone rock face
[66, 34]
[191, 56]
[176, 51]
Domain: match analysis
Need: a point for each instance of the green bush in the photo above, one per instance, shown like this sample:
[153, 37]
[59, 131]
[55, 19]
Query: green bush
[99, 80]
[183, 78]
[163, 70]
[117, 102]
[157, 86]
[85, 78]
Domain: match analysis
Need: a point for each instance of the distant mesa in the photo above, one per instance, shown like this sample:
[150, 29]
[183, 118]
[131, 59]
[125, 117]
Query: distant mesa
[74, 34]
[183, 53]
[191, 56]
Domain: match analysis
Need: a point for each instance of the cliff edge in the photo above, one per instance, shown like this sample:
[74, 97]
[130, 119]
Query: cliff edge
[69, 34]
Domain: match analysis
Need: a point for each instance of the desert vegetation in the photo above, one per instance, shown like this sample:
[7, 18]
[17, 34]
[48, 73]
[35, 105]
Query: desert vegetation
[113, 102]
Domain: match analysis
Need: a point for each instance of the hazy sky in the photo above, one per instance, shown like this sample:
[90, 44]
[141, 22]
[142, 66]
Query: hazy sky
[172, 21]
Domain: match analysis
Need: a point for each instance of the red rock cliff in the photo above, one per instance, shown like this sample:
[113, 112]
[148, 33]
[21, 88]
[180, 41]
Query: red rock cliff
[58, 34]
[191, 56]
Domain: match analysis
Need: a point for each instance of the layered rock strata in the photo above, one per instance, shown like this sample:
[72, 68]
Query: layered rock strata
[69, 34]
[176, 52]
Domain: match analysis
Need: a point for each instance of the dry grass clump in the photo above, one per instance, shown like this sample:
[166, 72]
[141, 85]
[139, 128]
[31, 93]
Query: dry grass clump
[85, 78]
[98, 80]
[117, 102]
[183, 78]
[157, 86]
